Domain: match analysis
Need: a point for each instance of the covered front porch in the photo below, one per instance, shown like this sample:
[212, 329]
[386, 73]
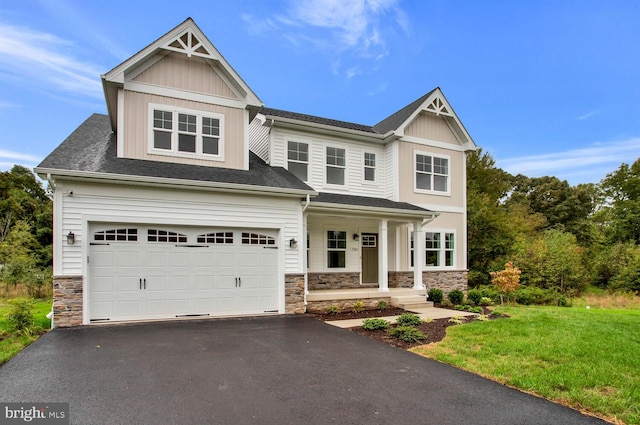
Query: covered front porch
[358, 249]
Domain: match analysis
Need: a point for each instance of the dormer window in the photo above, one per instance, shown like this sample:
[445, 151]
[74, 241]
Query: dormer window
[182, 132]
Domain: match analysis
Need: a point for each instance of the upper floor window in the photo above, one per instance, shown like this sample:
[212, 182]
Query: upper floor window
[335, 165]
[298, 159]
[369, 166]
[186, 132]
[431, 173]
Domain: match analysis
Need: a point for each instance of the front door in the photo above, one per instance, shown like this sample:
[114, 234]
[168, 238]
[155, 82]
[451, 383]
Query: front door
[369, 258]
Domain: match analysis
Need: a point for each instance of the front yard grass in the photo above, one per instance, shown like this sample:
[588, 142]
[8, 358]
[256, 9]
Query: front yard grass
[588, 359]
[10, 343]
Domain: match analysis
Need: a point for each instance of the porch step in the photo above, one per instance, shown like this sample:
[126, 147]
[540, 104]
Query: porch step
[409, 302]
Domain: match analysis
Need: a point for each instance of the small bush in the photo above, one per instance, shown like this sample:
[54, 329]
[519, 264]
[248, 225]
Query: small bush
[460, 307]
[475, 310]
[408, 319]
[474, 295]
[446, 303]
[383, 305]
[458, 320]
[358, 307]
[333, 309]
[456, 296]
[20, 317]
[407, 334]
[435, 295]
[375, 324]
[485, 301]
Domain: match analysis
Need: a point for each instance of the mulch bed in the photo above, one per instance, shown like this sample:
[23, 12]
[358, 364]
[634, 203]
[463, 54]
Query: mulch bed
[366, 314]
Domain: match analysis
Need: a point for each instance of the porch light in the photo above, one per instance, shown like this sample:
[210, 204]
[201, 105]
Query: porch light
[356, 236]
[293, 243]
[71, 238]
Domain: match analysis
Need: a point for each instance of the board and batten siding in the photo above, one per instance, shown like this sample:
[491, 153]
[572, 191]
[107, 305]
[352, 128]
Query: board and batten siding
[432, 127]
[355, 183]
[194, 74]
[136, 130]
[142, 205]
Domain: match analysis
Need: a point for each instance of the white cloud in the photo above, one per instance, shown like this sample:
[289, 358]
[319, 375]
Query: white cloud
[4, 154]
[587, 115]
[43, 59]
[586, 165]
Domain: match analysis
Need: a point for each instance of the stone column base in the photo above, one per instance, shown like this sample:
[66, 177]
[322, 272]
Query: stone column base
[67, 301]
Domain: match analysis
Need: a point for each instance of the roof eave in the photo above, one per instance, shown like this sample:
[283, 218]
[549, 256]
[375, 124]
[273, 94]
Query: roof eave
[345, 209]
[92, 176]
[277, 121]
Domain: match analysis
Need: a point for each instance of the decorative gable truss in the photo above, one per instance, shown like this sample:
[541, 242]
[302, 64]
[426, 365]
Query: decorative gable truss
[190, 44]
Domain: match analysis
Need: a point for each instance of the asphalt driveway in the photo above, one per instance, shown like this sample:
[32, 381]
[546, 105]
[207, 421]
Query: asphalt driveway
[272, 370]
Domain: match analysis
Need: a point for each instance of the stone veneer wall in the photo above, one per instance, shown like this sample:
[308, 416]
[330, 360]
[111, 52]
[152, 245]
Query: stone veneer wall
[340, 280]
[294, 293]
[67, 301]
[400, 279]
[447, 281]
[345, 305]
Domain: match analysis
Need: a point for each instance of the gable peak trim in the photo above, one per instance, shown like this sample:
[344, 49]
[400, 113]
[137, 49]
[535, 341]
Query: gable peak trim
[188, 43]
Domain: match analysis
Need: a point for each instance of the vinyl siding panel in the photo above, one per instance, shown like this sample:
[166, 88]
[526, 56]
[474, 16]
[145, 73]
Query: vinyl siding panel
[259, 138]
[432, 127]
[195, 74]
[126, 204]
[136, 130]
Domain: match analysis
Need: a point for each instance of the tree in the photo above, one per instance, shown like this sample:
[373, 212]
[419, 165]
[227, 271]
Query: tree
[507, 280]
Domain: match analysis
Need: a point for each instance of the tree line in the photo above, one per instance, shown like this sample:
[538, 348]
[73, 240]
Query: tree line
[563, 238]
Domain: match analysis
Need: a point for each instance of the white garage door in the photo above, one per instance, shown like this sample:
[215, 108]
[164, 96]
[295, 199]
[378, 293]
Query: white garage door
[152, 272]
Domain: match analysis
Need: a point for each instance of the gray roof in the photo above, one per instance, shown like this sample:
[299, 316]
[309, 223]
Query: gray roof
[92, 148]
[388, 124]
[364, 201]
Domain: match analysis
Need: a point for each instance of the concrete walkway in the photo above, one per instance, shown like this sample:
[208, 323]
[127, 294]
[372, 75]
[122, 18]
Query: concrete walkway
[424, 313]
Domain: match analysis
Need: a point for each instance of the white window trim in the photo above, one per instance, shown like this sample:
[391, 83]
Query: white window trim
[442, 250]
[375, 168]
[346, 174]
[286, 155]
[415, 180]
[326, 267]
[174, 133]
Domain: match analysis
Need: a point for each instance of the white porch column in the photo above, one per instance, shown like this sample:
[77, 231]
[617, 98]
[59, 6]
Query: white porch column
[418, 255]
[383, 257]
[305, 266]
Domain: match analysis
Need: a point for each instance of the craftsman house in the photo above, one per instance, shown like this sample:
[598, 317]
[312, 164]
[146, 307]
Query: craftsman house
[191, 198]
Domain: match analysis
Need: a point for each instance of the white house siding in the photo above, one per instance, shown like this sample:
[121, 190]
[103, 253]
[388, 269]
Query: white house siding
[128, 204]
[354, 173]
[136, 130]
[259, 138]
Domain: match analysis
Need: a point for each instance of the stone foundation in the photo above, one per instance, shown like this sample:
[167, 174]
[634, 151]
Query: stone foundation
[340, 280]
[447, 281]
[400, 279]
[345, 305]
[294, 293]
[67, 301]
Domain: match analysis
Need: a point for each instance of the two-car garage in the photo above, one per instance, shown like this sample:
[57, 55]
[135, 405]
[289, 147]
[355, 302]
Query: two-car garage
[142, 272]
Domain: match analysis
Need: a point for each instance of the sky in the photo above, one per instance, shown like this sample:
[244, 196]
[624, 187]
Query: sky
[546, 87]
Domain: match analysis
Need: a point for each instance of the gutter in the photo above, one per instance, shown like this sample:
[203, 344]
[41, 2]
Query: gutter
[336, 209]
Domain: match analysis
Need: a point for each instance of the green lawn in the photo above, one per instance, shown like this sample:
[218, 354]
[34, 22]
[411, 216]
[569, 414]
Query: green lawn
[11, 344]
[585, 358]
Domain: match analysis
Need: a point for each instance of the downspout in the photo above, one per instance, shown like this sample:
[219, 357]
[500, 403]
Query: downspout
[304, 261]
[52, 185]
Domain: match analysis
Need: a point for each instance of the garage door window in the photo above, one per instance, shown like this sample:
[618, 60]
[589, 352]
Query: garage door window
[257, 239]
[155, 235]
[125, 235]
[216, 238]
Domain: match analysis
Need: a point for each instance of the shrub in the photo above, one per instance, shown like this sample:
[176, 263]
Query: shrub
[408, 319]
[456, 296]
[446, 303]
[474, 295]
[458, 320]
[407, 334]
[435, 295]
[383, 305]
[375, 324]
[475, 310]
[20, 317]
[485, 301]
[358, 307]
[333, 309]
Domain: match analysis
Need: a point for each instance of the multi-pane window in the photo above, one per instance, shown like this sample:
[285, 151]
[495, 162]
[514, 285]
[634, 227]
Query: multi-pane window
[186, 132]
[336, 249]
[432, 173]
[257, 239]
[335, 165]
[436, 253]
[298, 159]
[156, 235]
[369, 166]
[123, 235]
[216, 238]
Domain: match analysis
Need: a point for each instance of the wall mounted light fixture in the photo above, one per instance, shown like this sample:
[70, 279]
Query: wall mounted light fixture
[356, 236]
[71, 238]
[293, 243]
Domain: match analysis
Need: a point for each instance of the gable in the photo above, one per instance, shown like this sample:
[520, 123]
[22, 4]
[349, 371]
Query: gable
[183, 72]
[432, 127]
